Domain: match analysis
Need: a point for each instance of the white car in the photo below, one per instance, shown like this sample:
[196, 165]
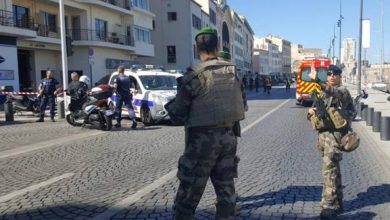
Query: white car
[154, 89]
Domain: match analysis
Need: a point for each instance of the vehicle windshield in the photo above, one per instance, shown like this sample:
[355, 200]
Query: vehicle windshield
[159, 82]
[321, 74]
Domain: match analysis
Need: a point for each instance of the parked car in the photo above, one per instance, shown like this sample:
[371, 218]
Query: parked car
[155, 88]
[379, 86]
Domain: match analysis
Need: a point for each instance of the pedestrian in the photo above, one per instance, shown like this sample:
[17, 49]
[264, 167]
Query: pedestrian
[257, 82]
[251, 81]
[122, 86]
[245, 82]
[264, 84]
[268, 85]
[288, 85]
[211, 130]
[48, 89]
[337, 96]
[77, 90]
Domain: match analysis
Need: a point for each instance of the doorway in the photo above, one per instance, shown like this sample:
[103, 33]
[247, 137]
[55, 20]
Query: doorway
[25, 66]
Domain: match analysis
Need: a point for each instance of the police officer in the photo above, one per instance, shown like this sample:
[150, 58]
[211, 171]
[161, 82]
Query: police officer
[337, 96]
[122, 85]
[48, 89]
[211, 129]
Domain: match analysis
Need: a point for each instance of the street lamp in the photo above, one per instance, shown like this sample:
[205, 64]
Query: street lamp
[339, 25]
[359, 76]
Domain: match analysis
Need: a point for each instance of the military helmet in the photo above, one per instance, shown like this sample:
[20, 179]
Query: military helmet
[224, 55]
[207, 30]
[334, 69]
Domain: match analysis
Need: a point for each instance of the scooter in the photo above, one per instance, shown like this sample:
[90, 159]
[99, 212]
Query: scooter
[25, 103]
[356, 101]
[95, 110]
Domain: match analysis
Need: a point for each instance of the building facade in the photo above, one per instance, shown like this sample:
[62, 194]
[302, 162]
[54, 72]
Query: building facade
[175, 30]
[348, 56]
[104, 34]
[285, 49]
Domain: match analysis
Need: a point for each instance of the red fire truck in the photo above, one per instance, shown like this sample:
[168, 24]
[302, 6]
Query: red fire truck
[304, 85]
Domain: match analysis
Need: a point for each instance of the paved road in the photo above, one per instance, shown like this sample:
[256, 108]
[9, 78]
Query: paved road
[126, 174]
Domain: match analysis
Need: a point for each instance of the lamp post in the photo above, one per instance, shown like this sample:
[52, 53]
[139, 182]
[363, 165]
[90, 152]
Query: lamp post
[359, 75]
[339, 25]
[63, 50]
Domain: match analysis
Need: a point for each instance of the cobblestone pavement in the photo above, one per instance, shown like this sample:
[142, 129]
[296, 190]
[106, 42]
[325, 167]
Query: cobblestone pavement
[279, 172]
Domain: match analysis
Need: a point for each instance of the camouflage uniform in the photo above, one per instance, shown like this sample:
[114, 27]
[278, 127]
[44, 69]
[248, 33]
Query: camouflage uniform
[210, 152]
[329, 147]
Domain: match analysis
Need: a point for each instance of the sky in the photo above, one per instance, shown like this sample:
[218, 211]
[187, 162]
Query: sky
[311, 22]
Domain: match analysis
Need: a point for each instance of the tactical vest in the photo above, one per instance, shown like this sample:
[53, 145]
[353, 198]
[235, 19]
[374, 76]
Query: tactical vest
[219, 102]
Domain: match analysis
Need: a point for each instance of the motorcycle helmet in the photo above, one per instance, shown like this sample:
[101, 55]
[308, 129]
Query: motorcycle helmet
[85, 80]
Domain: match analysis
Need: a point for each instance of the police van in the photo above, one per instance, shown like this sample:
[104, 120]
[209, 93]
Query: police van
[154, 88]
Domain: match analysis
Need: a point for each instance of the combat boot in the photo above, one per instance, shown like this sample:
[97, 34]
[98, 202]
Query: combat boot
[328, 213]
[134, 126]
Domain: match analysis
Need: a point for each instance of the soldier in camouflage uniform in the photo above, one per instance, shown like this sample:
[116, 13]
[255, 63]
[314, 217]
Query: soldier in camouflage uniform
[210, 102]
[329, 141]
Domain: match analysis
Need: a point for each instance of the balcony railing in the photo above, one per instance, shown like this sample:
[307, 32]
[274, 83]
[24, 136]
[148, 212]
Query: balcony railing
[48, 31]
[126, 4]
[10, 19]
[103, 36]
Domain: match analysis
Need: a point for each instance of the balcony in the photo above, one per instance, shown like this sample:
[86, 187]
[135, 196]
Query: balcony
[101, 38]
[18, 26]
[120, 3]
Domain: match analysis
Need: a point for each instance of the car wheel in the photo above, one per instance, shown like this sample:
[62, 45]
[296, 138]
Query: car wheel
[146, 116]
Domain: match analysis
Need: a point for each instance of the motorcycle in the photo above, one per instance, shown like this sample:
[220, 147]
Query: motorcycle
[95, 110]
[25, 103]
[356, 101]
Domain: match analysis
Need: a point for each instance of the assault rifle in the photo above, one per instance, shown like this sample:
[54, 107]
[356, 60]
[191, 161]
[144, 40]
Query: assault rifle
[319, 105]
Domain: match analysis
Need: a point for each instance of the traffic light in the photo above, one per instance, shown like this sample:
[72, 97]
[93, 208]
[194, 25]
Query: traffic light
[69, 46]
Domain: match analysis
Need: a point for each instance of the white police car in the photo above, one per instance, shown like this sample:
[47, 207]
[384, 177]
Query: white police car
[154, 89]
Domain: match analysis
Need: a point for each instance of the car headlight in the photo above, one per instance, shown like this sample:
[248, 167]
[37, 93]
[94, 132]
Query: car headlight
[159, 100]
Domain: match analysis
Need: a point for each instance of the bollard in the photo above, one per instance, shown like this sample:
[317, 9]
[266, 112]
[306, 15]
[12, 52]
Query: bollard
[385, 129]
[60, 109]
[359, 109]
[376, 123]
[8, 109]
[370, 116]
[364, 112]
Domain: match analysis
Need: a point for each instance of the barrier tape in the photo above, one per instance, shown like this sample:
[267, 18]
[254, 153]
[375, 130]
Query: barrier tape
[19, 93]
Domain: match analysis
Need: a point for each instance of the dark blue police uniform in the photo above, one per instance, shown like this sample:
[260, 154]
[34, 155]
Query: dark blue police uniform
[49, 87]
[123, 95]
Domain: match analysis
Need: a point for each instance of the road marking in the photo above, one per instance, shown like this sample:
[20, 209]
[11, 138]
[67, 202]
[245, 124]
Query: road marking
[264, 116]
[126, 202]
[34, 187]
[46, 144]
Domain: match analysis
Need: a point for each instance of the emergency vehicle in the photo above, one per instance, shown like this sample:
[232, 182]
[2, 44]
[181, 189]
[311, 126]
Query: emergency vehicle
[155, 88]
[305, 86]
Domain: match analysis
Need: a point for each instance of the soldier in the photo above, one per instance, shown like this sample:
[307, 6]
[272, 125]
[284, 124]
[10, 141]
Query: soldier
[211, 129]
[333, 95]
[48, 90]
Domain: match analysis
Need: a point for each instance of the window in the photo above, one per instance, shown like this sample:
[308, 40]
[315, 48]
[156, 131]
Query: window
[196, 22]
[50, 21]
[172, 16]
[171, 54]
[101, 29]
[213, 17]
[142, 35]
[21, 18]
[144, 4]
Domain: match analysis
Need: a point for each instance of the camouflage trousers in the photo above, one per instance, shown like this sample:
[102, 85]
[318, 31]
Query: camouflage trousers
[328, 145]
[209, 153]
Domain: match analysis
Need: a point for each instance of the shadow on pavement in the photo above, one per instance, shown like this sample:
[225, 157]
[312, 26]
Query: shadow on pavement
[290, 194]
[375, 195]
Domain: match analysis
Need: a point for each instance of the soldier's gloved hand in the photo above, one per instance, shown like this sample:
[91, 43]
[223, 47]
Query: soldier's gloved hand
[311, 112]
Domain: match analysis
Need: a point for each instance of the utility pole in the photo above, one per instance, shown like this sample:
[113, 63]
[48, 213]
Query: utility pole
[383, 42]
[359, 76]
[64, 56]
[333, 41]
[339, 25]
